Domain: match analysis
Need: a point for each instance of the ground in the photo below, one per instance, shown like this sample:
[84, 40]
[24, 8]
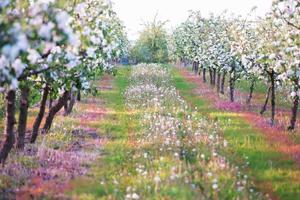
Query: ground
[101, 151]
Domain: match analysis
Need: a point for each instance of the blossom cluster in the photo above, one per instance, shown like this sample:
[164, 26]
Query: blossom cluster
[71, 44]
[256, 47]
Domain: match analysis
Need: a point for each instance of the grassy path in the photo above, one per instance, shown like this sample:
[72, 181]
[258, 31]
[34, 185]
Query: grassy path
[117, 127]
[158, 147]
[274, 172]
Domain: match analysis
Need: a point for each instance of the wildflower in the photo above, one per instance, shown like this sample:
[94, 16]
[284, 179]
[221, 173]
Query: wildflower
[157, 179]
[215, 186]
[172, 177]
[135, 196]
[240, 188]
[225, 143]
[145, 155]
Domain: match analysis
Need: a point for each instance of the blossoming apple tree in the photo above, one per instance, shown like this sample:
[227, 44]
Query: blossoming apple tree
[54, 48]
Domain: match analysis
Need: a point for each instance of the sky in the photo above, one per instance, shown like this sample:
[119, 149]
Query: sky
[134, 13]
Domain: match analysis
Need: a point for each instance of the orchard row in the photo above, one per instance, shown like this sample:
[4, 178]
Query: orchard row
[50, 51]
[266, 49]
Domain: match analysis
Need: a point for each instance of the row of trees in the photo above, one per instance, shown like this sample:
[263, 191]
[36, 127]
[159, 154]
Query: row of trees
[265, 49]
[50, 51]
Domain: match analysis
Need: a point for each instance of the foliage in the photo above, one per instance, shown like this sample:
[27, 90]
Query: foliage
[151, 45]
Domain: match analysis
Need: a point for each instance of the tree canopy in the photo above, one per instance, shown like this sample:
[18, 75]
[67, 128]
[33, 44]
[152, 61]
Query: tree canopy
[152, 45]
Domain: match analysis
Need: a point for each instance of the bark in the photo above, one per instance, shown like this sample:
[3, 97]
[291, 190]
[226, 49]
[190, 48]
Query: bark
[50, 101]
[200, 68]
[39, 118]
[54, 110]
[251, 92]
[218, 81]
[66, 105]
[196, 68]
[71, 104]
[294, 113]
[211, 76]
[264, 108]
[78, 95]
[214, 76]
[232, 86]
[24, 104]
[273, 96]
[9, 127]
[223, 82]
[185, 63]
[204, 75]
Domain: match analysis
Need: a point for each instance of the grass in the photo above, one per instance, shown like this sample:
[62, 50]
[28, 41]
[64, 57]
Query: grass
[272, 171]
[260, 90]
[129, 165]
[244, 85]
[116, 169]
[117, 126]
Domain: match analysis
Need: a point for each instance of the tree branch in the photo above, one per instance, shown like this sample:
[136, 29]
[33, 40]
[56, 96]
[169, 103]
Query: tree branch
[32, 73]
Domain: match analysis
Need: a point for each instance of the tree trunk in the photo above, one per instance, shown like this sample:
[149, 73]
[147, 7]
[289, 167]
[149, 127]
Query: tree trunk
[24, 104]
[39, 118]
[71, 104]
[78, 95]
[204, 75]
[218, 81]
[273, 96]
[196, 68]
[50, 101]
[294, 113]
[66, 106]
[264, 108]
[214, 76]
[232, 86]
[185, 63]
[223, 82]
[200, 68]
[9, 128]
[54, 110]
[251, 92]
[211, 76]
